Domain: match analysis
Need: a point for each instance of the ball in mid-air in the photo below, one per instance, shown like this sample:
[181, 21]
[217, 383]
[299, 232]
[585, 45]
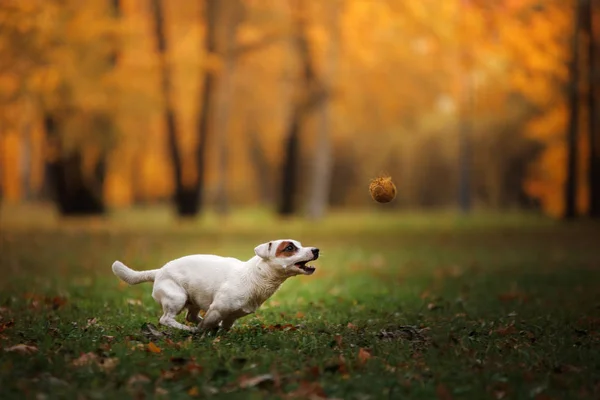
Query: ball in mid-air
[382, 189]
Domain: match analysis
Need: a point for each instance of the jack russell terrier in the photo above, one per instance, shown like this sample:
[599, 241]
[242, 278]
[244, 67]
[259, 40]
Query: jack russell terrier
[225, 287]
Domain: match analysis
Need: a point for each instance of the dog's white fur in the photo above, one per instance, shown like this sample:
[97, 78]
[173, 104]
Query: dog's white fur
[226, 288]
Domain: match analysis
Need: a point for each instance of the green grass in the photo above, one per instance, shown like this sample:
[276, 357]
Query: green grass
[501, 307]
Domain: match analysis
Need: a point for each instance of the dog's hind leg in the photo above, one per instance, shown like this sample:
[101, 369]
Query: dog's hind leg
[192, 314]
[172, 298]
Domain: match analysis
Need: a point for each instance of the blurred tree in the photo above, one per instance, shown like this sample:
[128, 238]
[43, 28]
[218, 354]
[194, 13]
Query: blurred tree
[570, 210]
[322, 164]
[309, 92]
[187, 191]
[230, 16]
[77, 175]
[593, 110]
[465, 101]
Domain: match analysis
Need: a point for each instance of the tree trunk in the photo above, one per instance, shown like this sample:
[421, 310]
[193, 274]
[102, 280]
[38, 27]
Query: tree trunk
[207, 102]
[187, 195]
[230, 15]
[74, 195]
[323, 162]
[290, 167]
[221, 126]
[261, 167]
[464, 143]
[573, 127]
[310, 93]
[592, 99]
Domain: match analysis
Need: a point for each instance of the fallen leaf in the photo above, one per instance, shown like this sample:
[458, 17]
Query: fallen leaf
[338, 340]
[432, 306]
[314, 371]
[134, 302]
[193, 368]
[406, 332]
[279, 327]
[309, 390]
[512, 296]
[58, 302]
[363, 355]
[299, 314]
[22, 349]
[352, 326]
[153, 348]
[85, 359]
[442, 392]
[108, 364]
[90, 322]
[260, 380]
[193, 391]
[6, 325]
[50, 379]
[135, 381]
[160, 391]
[506, 330]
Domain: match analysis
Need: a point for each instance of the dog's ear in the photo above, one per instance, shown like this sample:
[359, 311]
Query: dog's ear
[263, 250]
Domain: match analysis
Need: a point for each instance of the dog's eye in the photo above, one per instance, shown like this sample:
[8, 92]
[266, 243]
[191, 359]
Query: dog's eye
[290, 248]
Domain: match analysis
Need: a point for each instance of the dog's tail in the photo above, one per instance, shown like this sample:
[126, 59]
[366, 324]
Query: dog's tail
[130, 276]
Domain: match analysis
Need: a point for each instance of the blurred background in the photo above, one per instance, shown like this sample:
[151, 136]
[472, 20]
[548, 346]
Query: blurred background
[293, 106]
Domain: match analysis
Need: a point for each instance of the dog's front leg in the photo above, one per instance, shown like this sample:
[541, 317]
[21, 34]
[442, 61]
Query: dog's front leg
[227, 323]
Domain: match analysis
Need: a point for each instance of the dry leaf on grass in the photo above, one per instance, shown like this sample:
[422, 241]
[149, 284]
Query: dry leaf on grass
[108, 364]
[309, 390]
[260, 380]
[153, 348]
[6, 325]
[104, 363]
[506, 330]
[22, 349]
[137, 379]
[85, 359]
[90, 322]
[363, 355]
[442, 392]
[338, 340]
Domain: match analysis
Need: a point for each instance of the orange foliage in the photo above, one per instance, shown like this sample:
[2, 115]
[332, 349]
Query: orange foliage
[397, 85]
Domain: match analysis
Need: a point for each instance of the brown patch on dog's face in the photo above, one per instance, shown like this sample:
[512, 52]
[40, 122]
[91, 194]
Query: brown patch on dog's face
[285, 249]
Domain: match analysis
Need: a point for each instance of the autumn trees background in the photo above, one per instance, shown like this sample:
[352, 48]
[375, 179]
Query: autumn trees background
[294, 105]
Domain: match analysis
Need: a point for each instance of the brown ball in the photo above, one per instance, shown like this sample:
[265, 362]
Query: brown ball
[382, 189]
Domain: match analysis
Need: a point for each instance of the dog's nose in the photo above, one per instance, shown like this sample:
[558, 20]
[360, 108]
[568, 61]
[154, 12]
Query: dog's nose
[315, 252]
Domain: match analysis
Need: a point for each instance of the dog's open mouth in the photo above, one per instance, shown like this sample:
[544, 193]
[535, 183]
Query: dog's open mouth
[308, 270]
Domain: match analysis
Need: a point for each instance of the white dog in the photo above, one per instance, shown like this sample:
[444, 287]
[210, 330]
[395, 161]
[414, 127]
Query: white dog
[226, 288]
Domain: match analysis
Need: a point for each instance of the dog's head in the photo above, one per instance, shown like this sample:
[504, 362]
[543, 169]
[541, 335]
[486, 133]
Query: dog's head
[289, 255]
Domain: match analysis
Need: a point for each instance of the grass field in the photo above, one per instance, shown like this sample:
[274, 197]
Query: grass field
[401, 306]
